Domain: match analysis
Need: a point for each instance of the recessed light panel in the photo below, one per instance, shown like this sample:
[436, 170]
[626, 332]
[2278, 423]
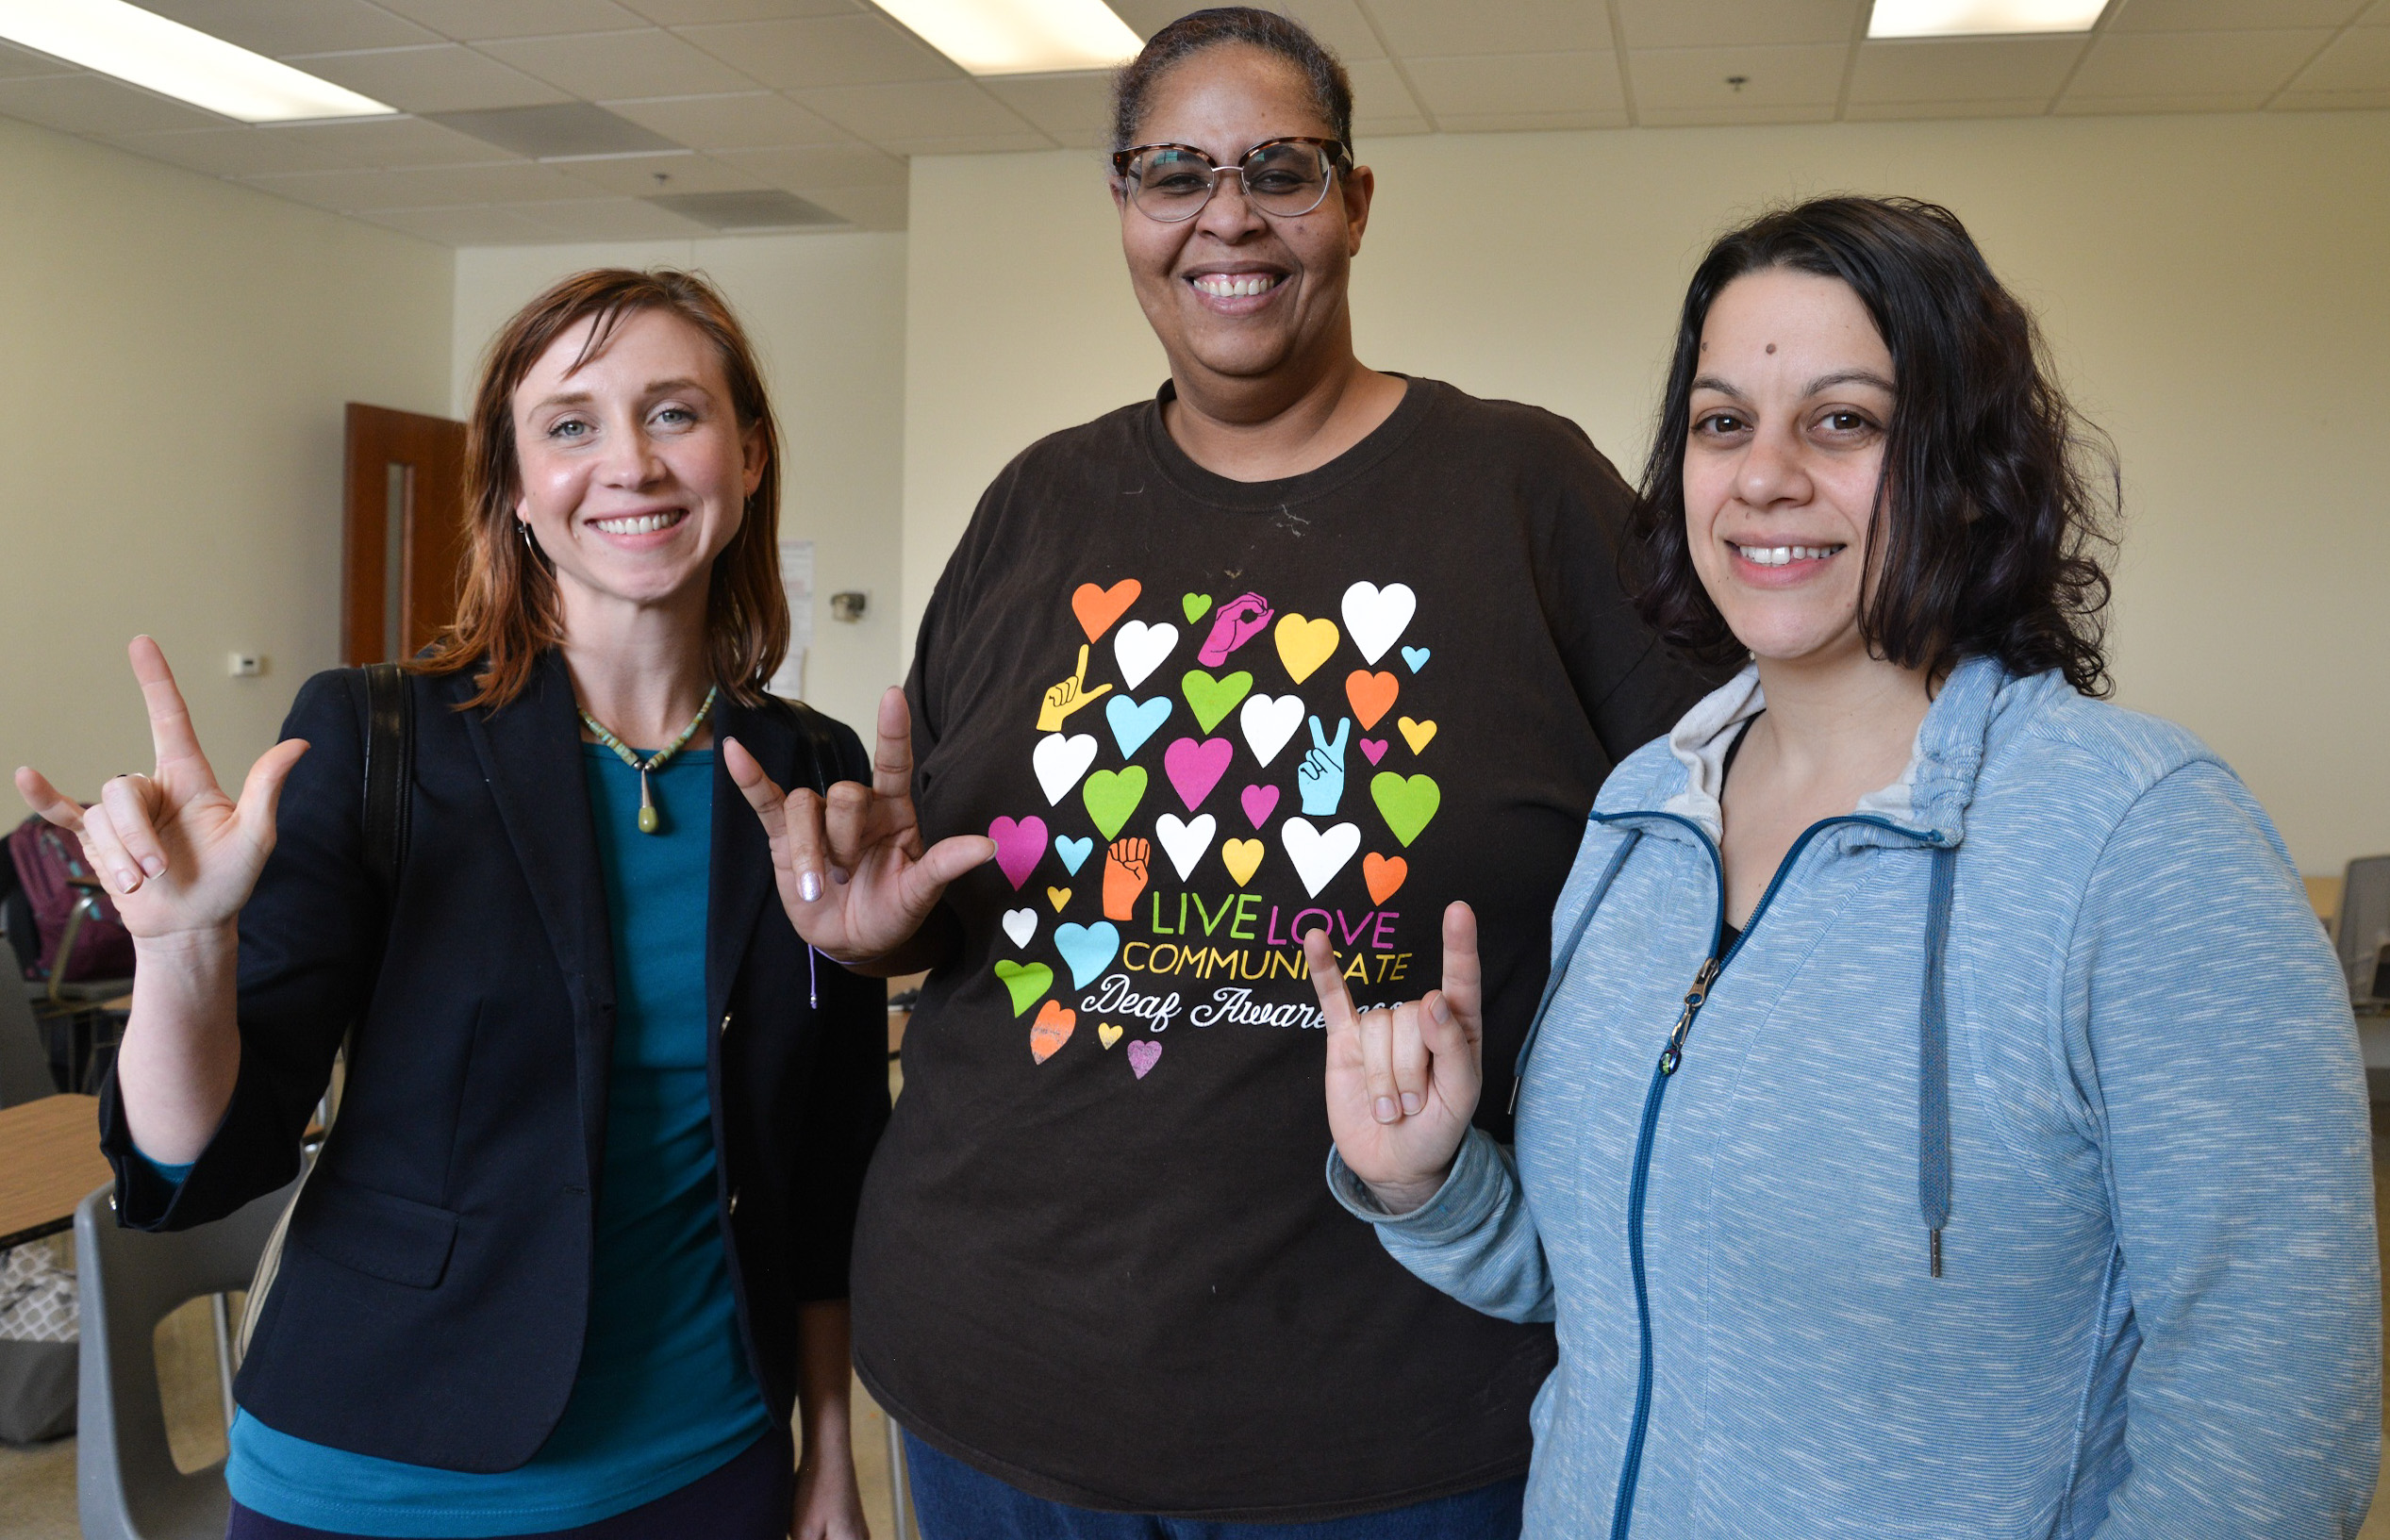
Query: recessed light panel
[1020, 37]
[175, 60]
[1981, 18]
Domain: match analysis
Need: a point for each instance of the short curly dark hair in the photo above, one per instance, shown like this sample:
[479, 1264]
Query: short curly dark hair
[1198, 30]
[1997, 500]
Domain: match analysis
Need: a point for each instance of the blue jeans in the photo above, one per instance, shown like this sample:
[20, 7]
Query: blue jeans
[958, 1502]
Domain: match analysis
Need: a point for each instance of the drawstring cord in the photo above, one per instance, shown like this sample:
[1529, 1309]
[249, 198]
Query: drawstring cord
[1934, 1066]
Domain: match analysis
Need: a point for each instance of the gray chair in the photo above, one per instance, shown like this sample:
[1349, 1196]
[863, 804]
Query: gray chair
[126, 1486]
[24, 1063]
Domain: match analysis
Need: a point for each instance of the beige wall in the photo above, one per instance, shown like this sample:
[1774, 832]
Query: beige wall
[175, 352]
[2212, 286]
[827, 314]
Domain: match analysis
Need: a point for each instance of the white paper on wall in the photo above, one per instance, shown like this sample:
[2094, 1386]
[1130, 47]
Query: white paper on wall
[796, 580]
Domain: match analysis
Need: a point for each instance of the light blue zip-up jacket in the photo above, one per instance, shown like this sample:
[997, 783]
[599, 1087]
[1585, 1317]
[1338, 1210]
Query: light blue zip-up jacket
[2159, 1313]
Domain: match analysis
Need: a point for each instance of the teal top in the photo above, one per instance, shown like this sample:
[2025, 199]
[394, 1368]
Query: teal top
[664, 1395]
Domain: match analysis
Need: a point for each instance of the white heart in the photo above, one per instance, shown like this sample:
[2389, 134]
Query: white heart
[1061, 761]
[1318, 856]
[1021, 925]
[1185, 843]
[1269, 721]
[1141, 648]
[1374, 618]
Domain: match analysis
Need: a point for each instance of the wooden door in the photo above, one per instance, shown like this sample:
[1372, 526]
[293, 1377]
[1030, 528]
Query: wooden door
[402, 531]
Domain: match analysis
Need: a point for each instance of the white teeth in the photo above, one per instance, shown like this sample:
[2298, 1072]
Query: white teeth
[644, 524]
[1783, 555]
[1235, 285]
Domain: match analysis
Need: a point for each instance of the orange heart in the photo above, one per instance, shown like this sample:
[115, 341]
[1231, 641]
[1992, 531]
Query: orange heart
[1051, 1029]
[1383, 874]
[1372, 694]
[1097, 609]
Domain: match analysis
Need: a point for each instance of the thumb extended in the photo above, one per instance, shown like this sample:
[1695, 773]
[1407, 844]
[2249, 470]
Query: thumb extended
[261, 792]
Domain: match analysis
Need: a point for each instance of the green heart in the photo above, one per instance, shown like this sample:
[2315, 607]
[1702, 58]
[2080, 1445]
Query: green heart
[1024, 982]
[1196, 605]
[1111, 796]
[1406, 803]
[1214, 698]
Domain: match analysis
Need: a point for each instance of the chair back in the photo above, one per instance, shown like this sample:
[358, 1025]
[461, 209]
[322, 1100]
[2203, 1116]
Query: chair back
[2364, 926]
[126, 1486]
[24, 1063]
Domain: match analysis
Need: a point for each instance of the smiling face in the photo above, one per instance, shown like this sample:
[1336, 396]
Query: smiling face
[1790, 411]
[1231, 292]
[635, 471]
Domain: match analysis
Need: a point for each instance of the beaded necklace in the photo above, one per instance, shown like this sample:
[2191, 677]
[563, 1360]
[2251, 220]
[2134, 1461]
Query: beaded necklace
[648, 820]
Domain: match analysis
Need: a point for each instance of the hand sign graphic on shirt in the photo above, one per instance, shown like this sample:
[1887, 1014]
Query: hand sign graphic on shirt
[1068, 696]
[1322, 774]
[1239, 622]
[1124, 877]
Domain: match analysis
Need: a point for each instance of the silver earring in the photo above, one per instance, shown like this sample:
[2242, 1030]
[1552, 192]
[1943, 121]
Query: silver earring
[523, 527]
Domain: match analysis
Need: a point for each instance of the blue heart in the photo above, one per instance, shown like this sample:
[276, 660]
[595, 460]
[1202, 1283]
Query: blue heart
[1074, 852]
[1089, 949]
[1417, 657]
[1133, 722]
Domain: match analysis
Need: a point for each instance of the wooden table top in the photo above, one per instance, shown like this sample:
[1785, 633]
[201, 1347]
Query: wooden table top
[49, 1160]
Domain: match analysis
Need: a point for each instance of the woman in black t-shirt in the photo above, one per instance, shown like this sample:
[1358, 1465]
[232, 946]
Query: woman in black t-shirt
[1297, 644]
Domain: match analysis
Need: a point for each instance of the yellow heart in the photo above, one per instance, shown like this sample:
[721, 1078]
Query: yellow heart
[1107, 1033]
[1304, 645]
[1242, 857]
[1057, 896]
[1419, 735]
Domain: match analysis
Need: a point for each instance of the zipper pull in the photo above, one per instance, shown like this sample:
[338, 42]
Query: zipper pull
[1675, 1054]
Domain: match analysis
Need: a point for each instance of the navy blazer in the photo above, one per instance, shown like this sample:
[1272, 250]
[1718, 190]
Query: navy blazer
[435, 1289]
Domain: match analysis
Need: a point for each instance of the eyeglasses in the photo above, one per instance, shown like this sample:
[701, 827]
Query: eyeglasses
[1283, 177]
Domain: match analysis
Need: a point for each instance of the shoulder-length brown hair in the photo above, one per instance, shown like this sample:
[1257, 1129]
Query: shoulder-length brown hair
[507, 608]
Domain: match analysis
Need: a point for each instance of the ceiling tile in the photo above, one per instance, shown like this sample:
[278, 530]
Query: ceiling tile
[635, 176]
[1379, 94]
[865, 208]
[1074, 110]
[1339, 23]
[384, 142]
[227, 152]
[611, 218]
[1697, 79]
[2229, 15]
[16, 61]
[819, 166]
[1519, 83]
[466, 226]
[1522, 122]
[2360, 61]
[1369, 130]
[1722, 114]
[443, 78]
[1024, 138]
[1700, 23]
[517, 181]
[2073, 105]
[752, 121]
[2022, 107]
[2189, 64]
[619, 65]
[95, 105]
[1441, 28]
[824, 51]
[699, 12]
[1964, 69]
[475, 21]
[2330, 101]
[926, 109]
[281, 27]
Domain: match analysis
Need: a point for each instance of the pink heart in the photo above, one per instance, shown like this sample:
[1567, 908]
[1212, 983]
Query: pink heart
[1144, 1054]
[1196, 767]
[1374, 748]
[1019, 846]
[1260, 801]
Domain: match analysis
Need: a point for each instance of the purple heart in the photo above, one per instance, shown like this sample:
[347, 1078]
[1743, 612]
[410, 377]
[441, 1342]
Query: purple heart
[1260, 801]
[1144, 1054]
[1196, 767]
[1374, 748]
[1019, 846]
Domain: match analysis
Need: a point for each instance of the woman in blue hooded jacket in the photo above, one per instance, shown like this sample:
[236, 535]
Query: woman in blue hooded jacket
[1945, 1117]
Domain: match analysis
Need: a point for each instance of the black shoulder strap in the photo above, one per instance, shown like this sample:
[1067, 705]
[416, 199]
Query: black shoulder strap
[389, 764]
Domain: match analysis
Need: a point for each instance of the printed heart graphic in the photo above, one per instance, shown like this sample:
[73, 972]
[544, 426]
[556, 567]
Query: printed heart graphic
[1051, 1030]
[1185, 843]
[1213, 698]
[1419, 735]
[1133, 722]
[1141, 648]
[1024, 982]
[1021, 925]
[1242, 857]
[1089, 949]
[1374, 617]
[1060, 761]
[1319, 855]
[1417, 657]
[1196, 605]
[1304, 645]
[1111, 796]
[1260, 801]
[1383, 874]
[1407, 802]
[1074, 852]
[1375, 748]
[1018, 846]
[1057, 896]
[1144, 1054]
[1195, 767]
[1097, 609]
[1107, 1033]
[1269, 721]
[1372, 694]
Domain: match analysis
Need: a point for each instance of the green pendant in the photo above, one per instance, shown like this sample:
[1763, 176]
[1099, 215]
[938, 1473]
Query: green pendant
[648, 819]
[648, 822]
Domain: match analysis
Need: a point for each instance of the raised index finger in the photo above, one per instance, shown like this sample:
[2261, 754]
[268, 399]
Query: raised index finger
[1335, 1002]
[892, 756]
[170, 729]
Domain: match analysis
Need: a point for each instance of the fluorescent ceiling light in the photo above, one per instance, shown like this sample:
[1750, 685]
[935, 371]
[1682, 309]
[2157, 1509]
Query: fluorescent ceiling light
[1979, 18]
[1020, 37]
[179, 61]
